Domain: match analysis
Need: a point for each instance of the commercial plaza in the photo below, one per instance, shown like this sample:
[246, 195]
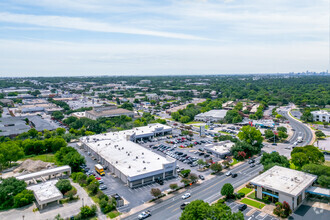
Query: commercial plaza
[133, 164]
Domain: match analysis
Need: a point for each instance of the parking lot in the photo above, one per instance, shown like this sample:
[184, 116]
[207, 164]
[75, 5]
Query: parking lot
[256, 215]
[175, 146]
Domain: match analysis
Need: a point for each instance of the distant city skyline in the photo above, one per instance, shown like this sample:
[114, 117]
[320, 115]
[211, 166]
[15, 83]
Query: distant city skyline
[144, 37]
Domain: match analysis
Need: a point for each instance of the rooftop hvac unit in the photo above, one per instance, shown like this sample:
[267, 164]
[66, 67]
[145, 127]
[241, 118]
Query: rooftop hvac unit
[144, 168]
[137, 157]
[129, 167]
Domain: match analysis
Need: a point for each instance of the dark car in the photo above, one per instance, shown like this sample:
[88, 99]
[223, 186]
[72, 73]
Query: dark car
[252, 165]
[251, 161]
[242, 207]
[234, 175]
[183, 205]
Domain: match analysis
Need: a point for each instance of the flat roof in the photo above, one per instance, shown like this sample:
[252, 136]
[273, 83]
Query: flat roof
[221, 148]
[110, 112]
[127, 156]
[221, 113]
[319, 191]
[13, 126]
[46, 192]
[46, 172]
[284, 180]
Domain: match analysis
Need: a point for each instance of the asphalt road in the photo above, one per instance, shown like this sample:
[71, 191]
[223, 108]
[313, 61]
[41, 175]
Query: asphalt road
[300, 130]
[208, 191]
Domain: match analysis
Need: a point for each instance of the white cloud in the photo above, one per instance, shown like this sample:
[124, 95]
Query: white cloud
[60, 58]
[87, 25]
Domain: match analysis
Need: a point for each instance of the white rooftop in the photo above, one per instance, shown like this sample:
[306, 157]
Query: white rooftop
[214, 113]
[284, 180]
[46, 192]
[127, 156]
[45, 172]
[221, 148]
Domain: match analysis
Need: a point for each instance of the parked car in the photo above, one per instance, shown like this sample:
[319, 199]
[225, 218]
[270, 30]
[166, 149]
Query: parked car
[242, 207]
[144, 215]
[98, 178]
[101, 181]
[183, 205]
[103, 187]
[201, 177]
[186, 196]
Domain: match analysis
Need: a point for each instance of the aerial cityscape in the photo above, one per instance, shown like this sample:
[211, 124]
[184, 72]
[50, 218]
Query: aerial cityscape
[164, 110]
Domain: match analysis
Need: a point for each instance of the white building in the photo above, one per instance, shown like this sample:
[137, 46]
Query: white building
[213, 115]
[46, 193]
[133, 164]
[321, 115]
[283, 184]
[221, 149]
[108, 112]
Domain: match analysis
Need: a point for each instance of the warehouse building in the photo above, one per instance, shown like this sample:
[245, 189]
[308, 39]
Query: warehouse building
[133, 164]
[213, 115]
[283, 184]
[108, 112]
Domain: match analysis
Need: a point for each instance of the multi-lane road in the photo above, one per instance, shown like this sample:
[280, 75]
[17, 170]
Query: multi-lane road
[208, 191]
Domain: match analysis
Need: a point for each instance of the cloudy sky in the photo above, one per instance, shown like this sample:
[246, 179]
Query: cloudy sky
[162, 37]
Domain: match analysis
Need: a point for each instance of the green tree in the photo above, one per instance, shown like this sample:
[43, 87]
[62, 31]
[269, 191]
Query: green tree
[193, 177]
[251, 135]
[64, 185]
[299, 159]
[319, 134]
[184, 119]
[324, 181]
[33, 133]
[313, 153]
[200, 210]
[87, 212]
[176, 116]
[282, 128]
[60, 131]
[9, 188]
[57, 115]
[185, 173]
[268, 160]
[173, 186]
[23, 198]
[155, 192]
[216, 167]
[227, 190]
[10, 151]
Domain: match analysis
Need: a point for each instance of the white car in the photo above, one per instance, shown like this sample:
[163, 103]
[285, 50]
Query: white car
[144, 215]
[228, 173]
[186, 196]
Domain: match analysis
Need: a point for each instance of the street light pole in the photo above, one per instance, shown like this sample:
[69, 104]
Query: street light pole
[82, 202]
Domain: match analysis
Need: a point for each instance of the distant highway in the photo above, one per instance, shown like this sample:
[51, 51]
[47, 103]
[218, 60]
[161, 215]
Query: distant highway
[208, 191]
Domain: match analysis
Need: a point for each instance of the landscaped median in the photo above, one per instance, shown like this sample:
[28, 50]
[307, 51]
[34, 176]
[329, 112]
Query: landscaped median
[253, 203]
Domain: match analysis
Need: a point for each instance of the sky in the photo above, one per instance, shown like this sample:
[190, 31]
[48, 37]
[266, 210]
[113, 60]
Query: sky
[162, 37]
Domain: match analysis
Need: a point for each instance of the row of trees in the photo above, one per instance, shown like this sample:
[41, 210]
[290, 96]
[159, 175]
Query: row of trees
[13, 193]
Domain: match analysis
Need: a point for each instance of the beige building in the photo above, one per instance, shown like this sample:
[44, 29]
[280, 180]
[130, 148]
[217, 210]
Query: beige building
[108, 112]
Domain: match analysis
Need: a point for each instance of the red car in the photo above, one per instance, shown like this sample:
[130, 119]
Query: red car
[98, 178]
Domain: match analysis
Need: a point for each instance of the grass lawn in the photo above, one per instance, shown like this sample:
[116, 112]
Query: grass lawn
[234, 162]
[193, 122]
[245, 190]
[253, 203]
[252, 195]
[43, 157]
[113, 214]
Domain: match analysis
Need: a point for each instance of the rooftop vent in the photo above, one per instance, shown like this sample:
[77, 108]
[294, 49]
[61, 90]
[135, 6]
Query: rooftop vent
[129, 167]
[137, 157]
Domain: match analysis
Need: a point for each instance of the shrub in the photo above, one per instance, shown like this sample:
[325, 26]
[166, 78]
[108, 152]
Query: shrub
[64, 185]
[87, 211]
[23, 198]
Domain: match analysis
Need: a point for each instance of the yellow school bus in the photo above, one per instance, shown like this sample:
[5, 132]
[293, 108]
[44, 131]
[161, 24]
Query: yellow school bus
[99, 169]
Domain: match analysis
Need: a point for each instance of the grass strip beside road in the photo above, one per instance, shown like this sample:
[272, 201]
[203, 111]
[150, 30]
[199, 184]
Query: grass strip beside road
[245, 190]
[253, 203]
